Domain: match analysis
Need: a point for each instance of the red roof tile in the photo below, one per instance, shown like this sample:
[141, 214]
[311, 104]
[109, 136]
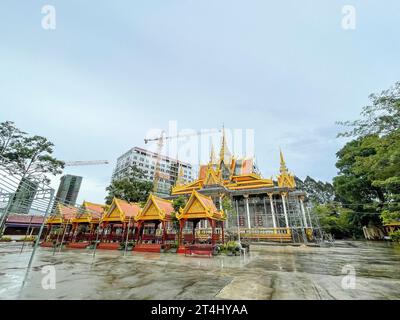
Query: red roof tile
[24, 219]
[129, 209]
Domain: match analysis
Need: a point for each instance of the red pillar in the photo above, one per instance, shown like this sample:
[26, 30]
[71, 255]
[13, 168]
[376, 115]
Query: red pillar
[164, 235]
[181, 224]
[123, 232]
[103, 227]
[194, 231]
[212, 231]
[139, 230]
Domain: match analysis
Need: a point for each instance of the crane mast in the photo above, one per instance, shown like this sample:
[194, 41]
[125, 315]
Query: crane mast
[160, 143]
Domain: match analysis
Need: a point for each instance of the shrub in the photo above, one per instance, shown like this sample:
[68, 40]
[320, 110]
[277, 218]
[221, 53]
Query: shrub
[6, 239]
[395, 235]
[28, 238]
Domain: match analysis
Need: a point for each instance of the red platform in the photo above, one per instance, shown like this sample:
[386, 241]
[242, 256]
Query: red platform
[47, 244]
[181, 250]
[143, 247]
[78, 245]
[199, 249]
[108, 245]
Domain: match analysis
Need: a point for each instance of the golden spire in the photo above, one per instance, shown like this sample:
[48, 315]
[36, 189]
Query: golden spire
[283, 168]
[285, 179]
[213, 160]
[179, 180]
[224, 152]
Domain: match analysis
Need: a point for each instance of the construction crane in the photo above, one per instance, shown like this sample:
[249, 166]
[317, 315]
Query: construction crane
[160, 143]
[85, 163]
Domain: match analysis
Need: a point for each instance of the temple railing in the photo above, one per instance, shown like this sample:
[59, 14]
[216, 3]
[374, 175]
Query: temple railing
[275, 234]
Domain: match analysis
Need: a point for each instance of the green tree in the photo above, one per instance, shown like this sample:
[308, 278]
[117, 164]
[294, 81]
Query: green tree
[369, 165]
[132, 188]
[227, 206]
[381, 117]
[9, 135]
[335, 219]
[178, 203]
[318, 192]
[33, 156]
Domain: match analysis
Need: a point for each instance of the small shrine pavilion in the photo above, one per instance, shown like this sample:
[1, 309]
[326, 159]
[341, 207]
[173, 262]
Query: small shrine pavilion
[115, 223]
[199, 207]
[155, 226]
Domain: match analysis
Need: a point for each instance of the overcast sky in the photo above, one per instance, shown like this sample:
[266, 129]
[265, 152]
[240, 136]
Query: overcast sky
[112, 70]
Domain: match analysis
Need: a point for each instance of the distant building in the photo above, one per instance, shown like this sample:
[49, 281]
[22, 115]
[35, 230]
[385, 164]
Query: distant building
[23, 198]
[146, 161]
[68, 190]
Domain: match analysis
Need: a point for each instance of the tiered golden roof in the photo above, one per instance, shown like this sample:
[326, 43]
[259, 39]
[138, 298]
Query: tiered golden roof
[234, 174]
[200, 207]
[63, 214]
[89, 213]
[156, 209]
[285, 179]
[121, 211]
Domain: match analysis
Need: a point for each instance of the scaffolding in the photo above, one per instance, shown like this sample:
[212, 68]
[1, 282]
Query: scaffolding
[30, 195]
[270, 223]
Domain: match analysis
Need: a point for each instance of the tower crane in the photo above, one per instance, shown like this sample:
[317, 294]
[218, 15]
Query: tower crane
[160, 143]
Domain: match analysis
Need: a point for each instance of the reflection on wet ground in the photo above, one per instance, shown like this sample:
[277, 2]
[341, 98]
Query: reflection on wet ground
[268, 272]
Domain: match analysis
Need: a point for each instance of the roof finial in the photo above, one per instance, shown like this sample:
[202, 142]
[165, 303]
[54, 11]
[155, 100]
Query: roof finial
[283, 168]
[224, 152]
[212, 155]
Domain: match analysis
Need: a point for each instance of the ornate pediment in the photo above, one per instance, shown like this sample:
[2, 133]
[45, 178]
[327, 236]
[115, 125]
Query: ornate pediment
[200, 207]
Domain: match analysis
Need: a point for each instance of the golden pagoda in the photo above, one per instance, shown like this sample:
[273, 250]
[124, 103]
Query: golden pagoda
[264, 208]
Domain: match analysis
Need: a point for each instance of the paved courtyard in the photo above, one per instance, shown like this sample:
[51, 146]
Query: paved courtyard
[268, 272]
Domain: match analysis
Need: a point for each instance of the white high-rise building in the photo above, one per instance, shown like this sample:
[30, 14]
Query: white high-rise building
[146, 161]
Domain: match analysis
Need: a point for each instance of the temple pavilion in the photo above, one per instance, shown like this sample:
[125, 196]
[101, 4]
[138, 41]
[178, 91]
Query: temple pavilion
[118, 224]
[270, 209]
[59, 224]
[155, 225]
[197, 209]
[85, 224]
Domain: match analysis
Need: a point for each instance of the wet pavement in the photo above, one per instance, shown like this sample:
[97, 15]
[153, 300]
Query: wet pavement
[268, 272]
